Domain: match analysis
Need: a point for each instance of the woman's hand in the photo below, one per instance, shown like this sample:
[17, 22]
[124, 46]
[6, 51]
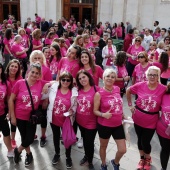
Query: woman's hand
[107, 115]
[45, 88]
[70, 112]
[132, 109]
[45, 104]
[13, 121]
[127, 78]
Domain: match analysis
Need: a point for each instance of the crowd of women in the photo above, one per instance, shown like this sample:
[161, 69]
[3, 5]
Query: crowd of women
[66, 68]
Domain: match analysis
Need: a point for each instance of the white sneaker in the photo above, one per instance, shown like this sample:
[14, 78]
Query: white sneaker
[10, 154]
[80, 143]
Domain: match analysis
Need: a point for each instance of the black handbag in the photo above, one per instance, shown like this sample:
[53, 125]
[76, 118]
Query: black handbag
[36, 116]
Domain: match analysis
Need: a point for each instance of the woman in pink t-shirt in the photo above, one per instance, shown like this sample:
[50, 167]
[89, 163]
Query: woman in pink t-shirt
[46, 52]
[20, 110]
[94, 38]
[108, 53]
[36, 42]
[119, 31]
[54, 59]
[163, 129]
[85, 117]
[62, 100]
[38, 57]
[152, 53]
[146, 112]
[166, 74]
[19, 53]
[13, 74]
[25, 42]
[108, 107]
[63, 47]
[122, 75]
[70, 63]
[86, 41]
[139, 72]
[4, 126]
[7, 41]
[87, 63]
[49, 39]
[132, 54]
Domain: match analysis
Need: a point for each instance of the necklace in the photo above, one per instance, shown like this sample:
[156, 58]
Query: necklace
[109, 90]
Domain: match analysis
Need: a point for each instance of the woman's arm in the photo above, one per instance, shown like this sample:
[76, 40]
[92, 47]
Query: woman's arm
[11, 108]
[22, 52]
[6, 47]
[96, 111]
[129, 100]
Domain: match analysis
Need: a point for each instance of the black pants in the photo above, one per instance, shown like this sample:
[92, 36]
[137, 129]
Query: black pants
[130, 67]
[88, 142]
[4, 126]
[44, 118]
[27, 132]
[144, 138]
[165, 151]
[56, 140]
[164, 81]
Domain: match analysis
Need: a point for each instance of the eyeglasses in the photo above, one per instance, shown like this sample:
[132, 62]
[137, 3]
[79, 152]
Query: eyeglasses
[141, 56]
[137, 40]
[152, 44]
[153, 75]
[37, 58]
[33, 72]
[56, 26]
[65, 80]
[167, 39]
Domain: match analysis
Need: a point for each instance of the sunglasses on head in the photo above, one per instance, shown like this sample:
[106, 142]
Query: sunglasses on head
[141, 56]
[65, 80]
[137, 40]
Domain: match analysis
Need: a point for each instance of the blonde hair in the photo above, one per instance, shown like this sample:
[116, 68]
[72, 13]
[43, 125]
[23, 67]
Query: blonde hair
[109, 71]
[39, 53]
[153, 68]
[21, 29]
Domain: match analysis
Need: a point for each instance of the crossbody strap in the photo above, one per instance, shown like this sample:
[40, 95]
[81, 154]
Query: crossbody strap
[32, 104]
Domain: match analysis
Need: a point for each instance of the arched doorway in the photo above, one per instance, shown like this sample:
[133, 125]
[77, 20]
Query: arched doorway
[9, 7]
[81, 9]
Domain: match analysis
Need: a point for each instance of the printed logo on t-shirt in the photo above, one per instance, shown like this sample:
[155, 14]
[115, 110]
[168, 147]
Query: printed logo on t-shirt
[115, 104]
[141, 77]
[148, 104]
[167, 117]
[2, 95]
[27, 102]
[59, 107]
[84, 105]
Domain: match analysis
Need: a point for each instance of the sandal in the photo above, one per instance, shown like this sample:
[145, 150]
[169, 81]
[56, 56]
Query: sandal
[147, 165]
[141, 164]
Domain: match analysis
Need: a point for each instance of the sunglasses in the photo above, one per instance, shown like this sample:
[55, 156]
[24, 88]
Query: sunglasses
[137, 40]
[65, 80]
[141, 56]
[153, 75]
[167, 40]
[152, 44]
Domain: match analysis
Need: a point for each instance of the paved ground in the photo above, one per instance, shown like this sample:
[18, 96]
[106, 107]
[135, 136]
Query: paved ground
[43, 156]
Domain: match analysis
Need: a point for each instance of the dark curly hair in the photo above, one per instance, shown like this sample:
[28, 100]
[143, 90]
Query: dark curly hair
[120, 58]
[3, 77]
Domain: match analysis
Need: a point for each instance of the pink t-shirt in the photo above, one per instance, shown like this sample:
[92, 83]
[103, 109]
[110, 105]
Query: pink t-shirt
[85, 116]
[119, 32]
[36, 43]
[98, 74]
[155, 35]
[8, 43]
[166, 74]
[54, 66]
[24, 41]
[23, 103]
[157, 64]
[151, 57]
[110, 60]
[4, 92]
[148, 100]
[46, 73]
[12, 82]
[134, 52]
[48, 41]
[67, 42]
[28, 31]
[18, 48]
[122, 72]
[62, 104]
[111, 101]
[70, 66]
[165, 117]
[139, 73]
[88, 45]
[63, 51]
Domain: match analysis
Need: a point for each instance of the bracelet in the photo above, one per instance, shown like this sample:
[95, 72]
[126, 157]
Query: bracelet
[101, 114]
